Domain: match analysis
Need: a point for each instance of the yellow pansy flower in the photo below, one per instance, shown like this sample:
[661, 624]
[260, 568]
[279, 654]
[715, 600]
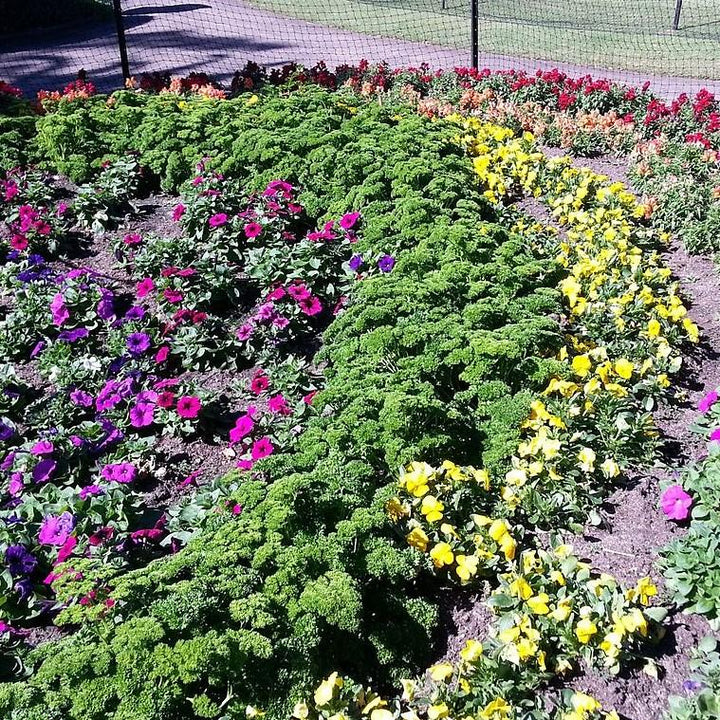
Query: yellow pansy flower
[381, 714]
[436, 712]
[653, 328]
[431, 508]
[326, 690]
[584, 630]
[418, 539]
[442, 555]
[624, 368]
[562, 610]
[538, 604]
[520, 588]
[408, 687]
[587, 456]
[585, 703]
[466, 566]
[441, 671]
[498, 709]
[610, 468]
[581, 364]
[395, 509]
[472, 651]
[416, 478]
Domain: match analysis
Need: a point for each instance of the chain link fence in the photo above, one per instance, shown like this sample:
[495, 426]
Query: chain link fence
[630, 40]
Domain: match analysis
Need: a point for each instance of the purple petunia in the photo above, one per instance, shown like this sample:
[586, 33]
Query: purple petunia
[89, 491]
[42, 447]
[60, 313]
[141, 414]
[386, 263]
[136, 312]
[6, 431]
[119, 472]
[106, 306]
[73, 335]
[44, 470]
[56, 529]
[81, 398]
[356, 262]
[138, 343]
[20, 561]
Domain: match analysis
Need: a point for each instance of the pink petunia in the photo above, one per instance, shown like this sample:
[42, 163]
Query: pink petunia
[310, 306]
[348, 220]
[144, 287]
[162, 354]
[715, 435]
[676, 503]
[298, 292]
[252, 230]
[262, 448]
[708, 401]
[188, 406]
[244, 425]
[278, 404]
[172, 296]
[178, 212]
[218, 220]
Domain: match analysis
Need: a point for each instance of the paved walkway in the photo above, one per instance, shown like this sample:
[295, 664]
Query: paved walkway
[219, 36]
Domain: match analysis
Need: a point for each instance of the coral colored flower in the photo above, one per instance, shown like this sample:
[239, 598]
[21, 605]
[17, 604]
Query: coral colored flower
[188, 406]
[178, 212]
[262, 448]
[348, 220]
[310, 306]
[708, 401]
[144, 287]
[218, 220]
[676, 503]
[56, 529]
[252, 230]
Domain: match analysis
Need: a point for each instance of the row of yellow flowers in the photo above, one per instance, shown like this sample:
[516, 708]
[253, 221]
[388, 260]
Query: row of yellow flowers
[625, 322]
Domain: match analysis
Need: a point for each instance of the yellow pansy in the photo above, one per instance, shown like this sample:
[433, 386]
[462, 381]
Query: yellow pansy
[432, 508]
[395, 509]
[582, 365]
[587, 456]
[585, 703]
[562, 610]
[408, 687]
[472, 651]
[442, 555]
[584, 630]
[436, 712]
[653, 328]
[624, 368]
[538, 604]
[467, 566]
[418, 539]
[498, 709]
[441, 672]
[520, 588]
[301, 711]
[610, 468]
[326, 690]
[416, 478]
[381, 714]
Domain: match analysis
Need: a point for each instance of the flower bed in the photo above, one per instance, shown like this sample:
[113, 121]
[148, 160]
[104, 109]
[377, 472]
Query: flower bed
[454, 327]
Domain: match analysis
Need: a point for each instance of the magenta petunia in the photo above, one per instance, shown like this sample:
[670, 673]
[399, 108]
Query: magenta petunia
[218, 220]
[278, 404]
[162, 354]
[348, 220]
[132, 239]
[715, 435]
[141, 414]
[252, 230]
[60, 313]
[708, 401]
[245, 331]
[310, 306]
[144, 287]
[43, 447]
[244, 425]
[298, 292]
[188, 406]
[262, 448]
[676, 503]
[178, 212]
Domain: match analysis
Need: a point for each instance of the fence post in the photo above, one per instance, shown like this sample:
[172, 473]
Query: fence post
[122, 43]
[474, 33]
[678, 8]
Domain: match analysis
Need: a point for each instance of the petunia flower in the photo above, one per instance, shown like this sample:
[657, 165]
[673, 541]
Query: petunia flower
[252, 230]
[144, 287]
[218, 220]
[386, 263]
[141, 414]
[707, 402]
[348, 220]
[310, 305]
[355, 262]
[178, 212]
[44, 469]
[138, 343]
[244, 425]
[188, 406]
[676, 503]
[262, 448]
[55, 529]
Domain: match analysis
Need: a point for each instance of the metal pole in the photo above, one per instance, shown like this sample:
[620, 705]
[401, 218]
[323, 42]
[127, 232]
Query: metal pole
[678, 8]
[474, 41]
[122, 43]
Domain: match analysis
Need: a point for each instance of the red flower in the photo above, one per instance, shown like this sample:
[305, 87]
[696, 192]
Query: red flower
[259, 383]
[188, 406]
[166, 399]
[172, 296]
